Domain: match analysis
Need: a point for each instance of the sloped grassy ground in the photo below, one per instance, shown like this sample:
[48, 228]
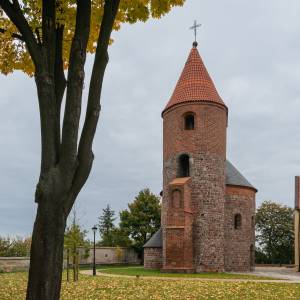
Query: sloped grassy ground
[13, 287]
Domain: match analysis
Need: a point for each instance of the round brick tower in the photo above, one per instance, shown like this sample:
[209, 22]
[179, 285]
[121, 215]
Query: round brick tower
[194, 156]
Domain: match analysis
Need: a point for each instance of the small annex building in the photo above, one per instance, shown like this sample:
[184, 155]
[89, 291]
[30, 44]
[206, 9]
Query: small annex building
[208, 206]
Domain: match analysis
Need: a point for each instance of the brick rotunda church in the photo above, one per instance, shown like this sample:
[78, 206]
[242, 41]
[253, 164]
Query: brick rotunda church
[208, 207]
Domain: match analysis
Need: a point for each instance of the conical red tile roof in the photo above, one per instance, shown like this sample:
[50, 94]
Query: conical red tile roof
[194, 83]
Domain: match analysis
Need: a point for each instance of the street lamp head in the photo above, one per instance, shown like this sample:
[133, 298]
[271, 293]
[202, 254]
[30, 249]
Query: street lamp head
[94, 228]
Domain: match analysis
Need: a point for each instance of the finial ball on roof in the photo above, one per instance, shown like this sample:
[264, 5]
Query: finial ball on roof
[195, 44]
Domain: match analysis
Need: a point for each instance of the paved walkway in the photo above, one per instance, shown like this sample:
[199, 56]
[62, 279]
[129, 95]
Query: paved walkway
[277, 272]
[287, 276]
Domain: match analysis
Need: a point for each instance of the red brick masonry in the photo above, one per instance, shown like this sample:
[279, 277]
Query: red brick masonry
[153, 258]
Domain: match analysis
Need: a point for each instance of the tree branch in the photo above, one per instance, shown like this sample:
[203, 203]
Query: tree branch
[75, 83]
[14, 35]
[85, 154]
[100, 62]
[49, 33]
[45, 81]
[48, 120]
[80, 178]
[59, 80]
[14, 12]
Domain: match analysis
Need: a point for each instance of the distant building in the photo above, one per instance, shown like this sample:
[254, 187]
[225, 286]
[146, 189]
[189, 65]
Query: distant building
[208, 207]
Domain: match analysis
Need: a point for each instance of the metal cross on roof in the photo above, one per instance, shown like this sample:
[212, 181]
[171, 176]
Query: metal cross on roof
[194, 27]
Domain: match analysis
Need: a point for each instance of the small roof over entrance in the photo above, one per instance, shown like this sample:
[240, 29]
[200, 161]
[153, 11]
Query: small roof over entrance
[155, 241]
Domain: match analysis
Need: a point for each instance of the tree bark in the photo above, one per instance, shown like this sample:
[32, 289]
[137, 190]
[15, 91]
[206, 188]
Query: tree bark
[46, 259]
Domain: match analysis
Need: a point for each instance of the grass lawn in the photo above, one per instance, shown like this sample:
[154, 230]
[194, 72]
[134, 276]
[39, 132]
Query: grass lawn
[133, 271]
[13, 286]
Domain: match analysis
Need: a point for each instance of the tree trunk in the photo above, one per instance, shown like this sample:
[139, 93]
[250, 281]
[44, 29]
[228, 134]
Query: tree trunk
[46, 259]
[65, 165]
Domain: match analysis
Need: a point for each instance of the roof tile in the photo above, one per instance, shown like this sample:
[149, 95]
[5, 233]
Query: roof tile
[194, 84]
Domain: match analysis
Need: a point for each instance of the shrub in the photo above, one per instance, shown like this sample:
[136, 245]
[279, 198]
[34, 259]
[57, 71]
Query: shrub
[14, 247]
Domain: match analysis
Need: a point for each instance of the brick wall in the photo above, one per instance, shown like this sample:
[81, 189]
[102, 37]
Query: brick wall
[239, 256]
[178, 242]
[206, 147]
[13, 264]
[111, 255]
[210, 127]
[152, 258]
[104, 255]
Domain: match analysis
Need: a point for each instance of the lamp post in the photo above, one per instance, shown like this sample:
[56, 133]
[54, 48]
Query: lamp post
[297, 223]
[94, 257]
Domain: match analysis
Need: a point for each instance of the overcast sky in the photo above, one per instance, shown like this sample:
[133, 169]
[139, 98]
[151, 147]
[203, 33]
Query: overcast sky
[251, 50]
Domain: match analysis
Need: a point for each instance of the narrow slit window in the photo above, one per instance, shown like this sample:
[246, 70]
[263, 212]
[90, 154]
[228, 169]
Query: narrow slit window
[237, 221]
[184, 166]
[189, 122]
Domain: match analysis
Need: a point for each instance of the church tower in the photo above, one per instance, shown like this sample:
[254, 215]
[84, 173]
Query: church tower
[194, 158]
[208, 206]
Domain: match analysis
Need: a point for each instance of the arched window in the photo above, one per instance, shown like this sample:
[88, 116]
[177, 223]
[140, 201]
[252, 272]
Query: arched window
[189, 121]
[237, 221]
[184, 166]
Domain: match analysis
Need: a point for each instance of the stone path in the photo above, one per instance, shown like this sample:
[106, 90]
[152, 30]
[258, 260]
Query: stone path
[277, 272]
[287, 276]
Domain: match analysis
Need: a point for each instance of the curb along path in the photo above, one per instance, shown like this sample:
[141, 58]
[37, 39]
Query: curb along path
[89, 272]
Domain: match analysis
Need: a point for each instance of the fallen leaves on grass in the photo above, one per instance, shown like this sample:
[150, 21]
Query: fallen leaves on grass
[13, 286]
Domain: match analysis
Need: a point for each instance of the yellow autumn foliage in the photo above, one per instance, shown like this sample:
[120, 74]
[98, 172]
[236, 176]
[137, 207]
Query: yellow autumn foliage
[14, 55]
